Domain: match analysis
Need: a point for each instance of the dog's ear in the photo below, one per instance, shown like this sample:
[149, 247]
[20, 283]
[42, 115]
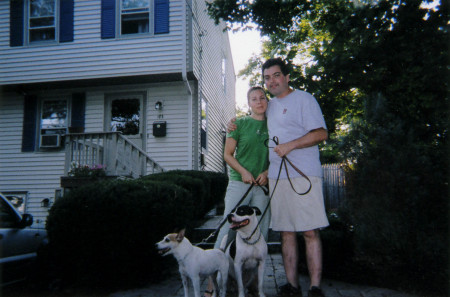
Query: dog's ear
[257, 211]
[180, 235]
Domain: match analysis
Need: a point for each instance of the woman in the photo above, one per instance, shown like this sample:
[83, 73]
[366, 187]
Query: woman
[247, 155]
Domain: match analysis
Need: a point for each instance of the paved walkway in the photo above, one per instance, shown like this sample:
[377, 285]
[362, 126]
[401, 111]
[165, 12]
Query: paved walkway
[274, 277]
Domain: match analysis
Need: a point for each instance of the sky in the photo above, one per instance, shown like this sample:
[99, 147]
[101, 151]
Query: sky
[243, 46]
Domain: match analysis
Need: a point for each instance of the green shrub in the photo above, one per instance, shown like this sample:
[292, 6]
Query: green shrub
[213, 189]
[193, 185]
[105, 233]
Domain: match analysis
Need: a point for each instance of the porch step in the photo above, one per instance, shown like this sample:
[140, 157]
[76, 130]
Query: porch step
[212, 222]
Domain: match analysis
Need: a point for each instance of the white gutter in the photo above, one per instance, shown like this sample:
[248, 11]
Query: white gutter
[184, 76]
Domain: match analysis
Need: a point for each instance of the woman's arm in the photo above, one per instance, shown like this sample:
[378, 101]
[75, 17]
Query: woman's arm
[228, 155]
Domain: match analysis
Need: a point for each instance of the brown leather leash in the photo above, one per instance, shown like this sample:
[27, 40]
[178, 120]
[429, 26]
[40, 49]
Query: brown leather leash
[284, 161]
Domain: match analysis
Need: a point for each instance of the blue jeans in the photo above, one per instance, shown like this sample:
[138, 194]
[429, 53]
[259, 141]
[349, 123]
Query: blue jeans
[256, 197]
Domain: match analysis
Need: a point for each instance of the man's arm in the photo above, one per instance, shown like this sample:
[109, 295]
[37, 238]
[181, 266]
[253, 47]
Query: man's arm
[312, 138]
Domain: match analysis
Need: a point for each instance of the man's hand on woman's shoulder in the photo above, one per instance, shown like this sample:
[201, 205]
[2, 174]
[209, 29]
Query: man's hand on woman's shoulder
[231, 126]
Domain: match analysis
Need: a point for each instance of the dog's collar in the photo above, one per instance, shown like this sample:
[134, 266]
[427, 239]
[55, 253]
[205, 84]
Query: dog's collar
[247, 240]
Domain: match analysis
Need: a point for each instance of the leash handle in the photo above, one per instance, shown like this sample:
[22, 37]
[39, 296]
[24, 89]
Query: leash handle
[285, 160]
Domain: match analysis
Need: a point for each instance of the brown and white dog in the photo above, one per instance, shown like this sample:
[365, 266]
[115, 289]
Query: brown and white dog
[248, 256]
[195, 263]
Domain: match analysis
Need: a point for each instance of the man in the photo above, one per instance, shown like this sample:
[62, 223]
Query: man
[296, 119]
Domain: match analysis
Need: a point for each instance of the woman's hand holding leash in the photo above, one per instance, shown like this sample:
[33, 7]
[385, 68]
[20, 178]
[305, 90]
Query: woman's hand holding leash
[247, 177]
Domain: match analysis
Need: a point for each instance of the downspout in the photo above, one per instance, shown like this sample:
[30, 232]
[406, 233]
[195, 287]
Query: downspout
[188, 87]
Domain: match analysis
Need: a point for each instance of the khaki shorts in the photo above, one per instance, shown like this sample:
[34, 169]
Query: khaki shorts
[298, 213]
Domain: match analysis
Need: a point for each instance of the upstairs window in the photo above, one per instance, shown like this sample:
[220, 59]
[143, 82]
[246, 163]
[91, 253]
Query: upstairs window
[130, 17]
[41, 20]
[135, 16]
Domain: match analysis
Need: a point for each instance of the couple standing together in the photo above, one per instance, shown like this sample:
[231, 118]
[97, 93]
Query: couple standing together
[295, 119]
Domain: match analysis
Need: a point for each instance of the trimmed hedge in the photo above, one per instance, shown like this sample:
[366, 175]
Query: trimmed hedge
[215, 185]
[105, 233]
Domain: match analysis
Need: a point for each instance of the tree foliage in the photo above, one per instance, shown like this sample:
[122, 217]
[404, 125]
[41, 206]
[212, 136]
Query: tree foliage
[379, 70]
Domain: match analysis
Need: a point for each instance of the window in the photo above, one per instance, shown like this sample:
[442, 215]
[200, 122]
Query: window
[46, 120]
[8, 218]
[17, 199]
[40, 21]
[134, 17]
[203, 125]
[53, 123]
[125, 114]
[224, 75]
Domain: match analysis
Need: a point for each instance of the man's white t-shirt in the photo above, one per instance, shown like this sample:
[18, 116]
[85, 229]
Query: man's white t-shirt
[290, 118]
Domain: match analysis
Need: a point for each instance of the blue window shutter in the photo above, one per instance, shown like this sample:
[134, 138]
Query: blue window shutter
[161, 16]
[29, 123]
[16, 23]
[66, 21]
[108, 19]
[78, 110]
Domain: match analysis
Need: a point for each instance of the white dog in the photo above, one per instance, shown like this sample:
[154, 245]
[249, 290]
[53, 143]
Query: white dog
[195, 262]
[251, 247]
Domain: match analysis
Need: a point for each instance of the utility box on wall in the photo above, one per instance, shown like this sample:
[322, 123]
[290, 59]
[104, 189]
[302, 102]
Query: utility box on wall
[159, 128]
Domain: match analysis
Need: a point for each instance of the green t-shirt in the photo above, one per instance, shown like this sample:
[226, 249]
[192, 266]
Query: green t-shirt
[251, 151]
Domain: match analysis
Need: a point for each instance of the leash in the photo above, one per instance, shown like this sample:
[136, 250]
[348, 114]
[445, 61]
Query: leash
[284, 161]
[214, 233]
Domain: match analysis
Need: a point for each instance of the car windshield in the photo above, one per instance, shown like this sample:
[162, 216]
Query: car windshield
[8, 218]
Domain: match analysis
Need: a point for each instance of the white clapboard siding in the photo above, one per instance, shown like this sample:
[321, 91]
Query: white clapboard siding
[35, 173]
[88, 56]
[171, 151]
[215, 46]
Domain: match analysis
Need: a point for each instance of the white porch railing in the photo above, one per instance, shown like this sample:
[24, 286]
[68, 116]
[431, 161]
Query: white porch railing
[111, 149]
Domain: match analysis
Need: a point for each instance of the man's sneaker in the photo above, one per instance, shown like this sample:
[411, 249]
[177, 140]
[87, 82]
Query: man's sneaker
[315, 292]
[289, 290]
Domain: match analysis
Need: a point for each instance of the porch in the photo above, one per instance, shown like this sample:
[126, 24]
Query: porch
[113, 151]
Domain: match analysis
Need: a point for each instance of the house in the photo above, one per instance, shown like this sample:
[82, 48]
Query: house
[136, 85]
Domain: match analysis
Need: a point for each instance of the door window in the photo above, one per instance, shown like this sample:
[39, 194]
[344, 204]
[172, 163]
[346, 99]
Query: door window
[125, 116]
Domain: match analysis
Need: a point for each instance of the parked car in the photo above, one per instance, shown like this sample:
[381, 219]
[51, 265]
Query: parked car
[19, 243]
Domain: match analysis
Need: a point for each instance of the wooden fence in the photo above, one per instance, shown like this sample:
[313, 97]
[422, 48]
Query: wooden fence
[333, 185]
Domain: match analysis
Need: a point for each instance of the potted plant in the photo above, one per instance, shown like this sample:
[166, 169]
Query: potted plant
[79, 175]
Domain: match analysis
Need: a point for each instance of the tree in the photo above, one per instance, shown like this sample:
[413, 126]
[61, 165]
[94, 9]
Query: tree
[379, 70]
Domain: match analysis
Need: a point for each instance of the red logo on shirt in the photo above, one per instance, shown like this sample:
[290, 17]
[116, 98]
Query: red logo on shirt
[284, 111]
